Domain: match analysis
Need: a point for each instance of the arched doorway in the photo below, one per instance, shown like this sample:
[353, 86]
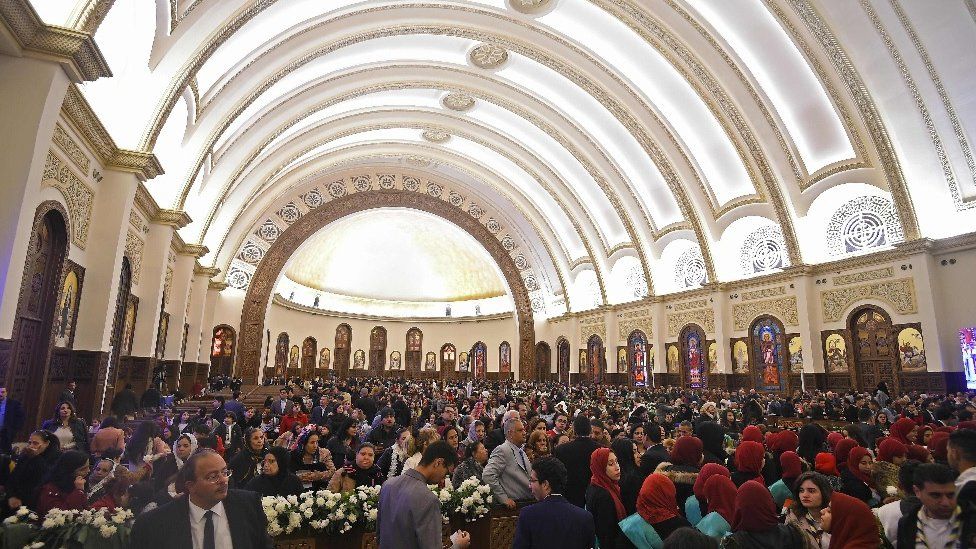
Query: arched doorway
[875, 352]
[257, 300]
[637, 359]
[415, 351]
[595, 358]
[32, 339]
[694, 371]
[563, 359]
[768, 362]
[543, 361]
[343, 342]
[479, 360]
[504, 360]
[222, 346]
[123, 331]
[309, 356]
[448, 360]
[281, 354]
[377, 350]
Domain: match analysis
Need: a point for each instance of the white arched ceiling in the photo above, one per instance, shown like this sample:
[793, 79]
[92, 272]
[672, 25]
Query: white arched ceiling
[612, 133]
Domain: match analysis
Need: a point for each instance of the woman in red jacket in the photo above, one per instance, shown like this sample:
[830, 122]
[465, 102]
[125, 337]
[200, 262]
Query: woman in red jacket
[64, 486]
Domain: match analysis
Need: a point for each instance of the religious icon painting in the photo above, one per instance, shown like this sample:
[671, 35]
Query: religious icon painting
[622, 359]
[796, 354]
[911, 350]
[835, 353]
[294, 357]
[713, 358]
[505, 357]
[129, 325]
[325, 358]
[740, 357]
[480, 360]
[463, 362]
[67, 312]
[359, 360]
[767, 344]
[430, 362]
[583, 366]
[674, 366]
[693, 361]
[637, 351]
[395, 360]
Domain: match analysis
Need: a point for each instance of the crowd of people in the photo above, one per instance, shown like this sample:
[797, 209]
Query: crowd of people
[631, 467]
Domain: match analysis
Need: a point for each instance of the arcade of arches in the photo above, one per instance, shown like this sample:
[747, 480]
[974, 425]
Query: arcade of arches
[774, 195]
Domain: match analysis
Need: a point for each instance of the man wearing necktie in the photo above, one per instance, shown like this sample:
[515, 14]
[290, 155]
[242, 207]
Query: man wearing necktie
[508, 468]
[208, 516]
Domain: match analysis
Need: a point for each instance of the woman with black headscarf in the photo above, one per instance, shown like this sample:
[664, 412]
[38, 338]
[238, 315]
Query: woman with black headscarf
[712, 436]
[276, 478]
[43, 449]
[631, 478]
[811, 441]
[64, 483]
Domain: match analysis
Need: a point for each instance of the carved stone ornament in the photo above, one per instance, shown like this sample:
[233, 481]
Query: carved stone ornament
[457, 101]
[689, 305]
[703, 317]
[530, 6]
[783, 308]
[78, 196]
[899, 293]
[488, 56]
[70, 148]
[134, 247]
[865, 276]
[628, 321]
[593, 326]
[436, 136]
[765, 292]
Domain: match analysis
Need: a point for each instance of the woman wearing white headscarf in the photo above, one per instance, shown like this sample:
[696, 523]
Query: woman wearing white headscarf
[184, 447]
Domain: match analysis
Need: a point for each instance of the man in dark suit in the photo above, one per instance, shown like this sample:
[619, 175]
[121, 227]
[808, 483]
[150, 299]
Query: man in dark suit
[209, 516]
[656, 453]
[575, 456]
[68, 394]
[11, 420]
[320, 412]
[553, 521]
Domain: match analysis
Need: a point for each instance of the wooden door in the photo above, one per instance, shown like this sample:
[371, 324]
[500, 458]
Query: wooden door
[874, 348]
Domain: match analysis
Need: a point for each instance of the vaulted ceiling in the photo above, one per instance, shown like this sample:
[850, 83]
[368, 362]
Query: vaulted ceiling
[633, 147]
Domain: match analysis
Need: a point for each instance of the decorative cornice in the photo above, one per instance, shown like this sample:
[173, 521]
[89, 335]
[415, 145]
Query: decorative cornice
[76, 51]
[145, 202]
[82, 117]
[174, 218]
[193, 250]
[209, 272]
[219, 286]
[279, 300]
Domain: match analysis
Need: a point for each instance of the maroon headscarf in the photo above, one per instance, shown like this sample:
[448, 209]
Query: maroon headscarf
[754, 509]
[752, 433]
[720, 492]
[826, 464]
[852, 525]
[920, 453]
[657, 499]
[707, 471]
[939, 445]
[598, 470]
[687, 451]
[785, 441]
[749, 458]
[853, 459]
[791, 464]
[842, 450]
[900, 429]
[833, 438]
[889, 448]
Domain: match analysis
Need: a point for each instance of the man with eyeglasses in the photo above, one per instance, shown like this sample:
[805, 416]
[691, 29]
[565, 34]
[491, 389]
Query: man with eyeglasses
[554, 521]
[209, 516]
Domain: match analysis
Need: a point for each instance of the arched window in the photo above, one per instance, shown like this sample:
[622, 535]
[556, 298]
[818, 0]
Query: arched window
[479, 360]
[309, 355]
[448, 359]
[377, 349]
[637, 358]
[543, 361]
[504, 358]
[222, 346]
[415, 350]
[768, 354]
[695, 370]
[343, 342]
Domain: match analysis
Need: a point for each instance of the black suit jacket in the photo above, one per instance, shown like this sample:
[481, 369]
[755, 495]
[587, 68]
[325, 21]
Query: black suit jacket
[654, 456]
[169, 526]
[575, 456]
[554, 522]
[13, 421]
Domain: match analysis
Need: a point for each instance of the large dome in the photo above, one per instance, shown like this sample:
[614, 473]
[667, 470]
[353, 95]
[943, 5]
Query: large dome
[396, 255]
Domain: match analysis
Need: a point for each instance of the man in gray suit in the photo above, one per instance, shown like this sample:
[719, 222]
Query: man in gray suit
[409, 513]
[507, 470]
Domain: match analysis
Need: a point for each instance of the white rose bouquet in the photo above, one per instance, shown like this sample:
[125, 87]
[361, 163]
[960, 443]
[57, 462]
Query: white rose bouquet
[471, 500]
[282, 513]
[444, 496]
[369, 504]
[67, 528]
[330, 512]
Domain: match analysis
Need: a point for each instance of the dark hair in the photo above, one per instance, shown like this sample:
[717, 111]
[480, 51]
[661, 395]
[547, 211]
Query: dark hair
[135, 449]
[689, 538]
[471, 449]
[367, 445]
[597, 422]
[140, 495]
[652, 432]
[109, 421]
[936, 473]
[53, 442]
[439, 449]
[623, 448]
[822, 483]
[812, 440]
[112, 453]
[906, 474]
[189, 471]
[220, 399]
[581, 425]
[865, 414]
[551, 470]
[232, 415]
[62, 473]
[283, 457]
[964, 440]
[57, 411]
[236, 395]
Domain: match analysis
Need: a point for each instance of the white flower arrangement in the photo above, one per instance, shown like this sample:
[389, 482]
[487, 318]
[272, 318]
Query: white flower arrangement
[283, 515]
[64, 528]
[470, 501]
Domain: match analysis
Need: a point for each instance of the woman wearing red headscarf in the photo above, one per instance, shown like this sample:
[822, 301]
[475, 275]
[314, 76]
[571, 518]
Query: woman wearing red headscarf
[939, 446]
[792, 467]
[686, 458]
[752, 433]
[755, 524]
[891, 455]
[697, 507]
[657, 514]
[749, 460]
[833, 438]
[856, 477]
[603, 499]
[720, 492]
[841, 452]
[920, 453]
[904, 431]
[851, 524]
[826, 465]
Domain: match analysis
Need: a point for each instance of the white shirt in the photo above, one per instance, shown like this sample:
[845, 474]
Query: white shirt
[968, 475]
[888, 515]
[936, 530]
[222, 539]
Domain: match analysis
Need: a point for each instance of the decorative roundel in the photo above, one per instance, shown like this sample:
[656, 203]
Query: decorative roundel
[531, 284]
[387, 181]
[411, 183]
[269, 231]
[493, 225]
[417, 160]
[763, 250]
[252, 253]
[290, 213]
[238, 278]
[508, 243]
[690, 269]
[436, 136]
[313, 198]
[538, 304]
[457, 101]
[362, 183]
[475, 211]
[531, 7]
[863, 223]
[337, 189]
[488, 56]
[521, 263]
[433, 189]
[863, 230]
[455, 199]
